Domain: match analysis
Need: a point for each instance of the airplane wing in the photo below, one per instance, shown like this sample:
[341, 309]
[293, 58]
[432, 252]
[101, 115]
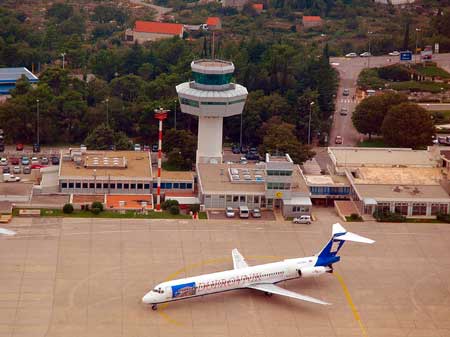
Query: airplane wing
[273, 289]
[238, 260]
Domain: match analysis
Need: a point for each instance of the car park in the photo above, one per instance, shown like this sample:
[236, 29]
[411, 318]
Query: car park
[243, 160]
[365, 54]
[7, 177]
[37, 166]
[6, 169]
[155, 148]
[252, 156]
[25, 160]
[338, 140]
[137, 147]
[394, 53]
[26, 170]
[34, 161]
[55, 160]
[3, 161]
[147, 148]
[350, 55]
[244, 149]
[306, 219]
[44, 161]
[235, 149]
[229, 212]
[344, 112]
[256, 213]
[19, 147]
[16, 170]
[346, 92]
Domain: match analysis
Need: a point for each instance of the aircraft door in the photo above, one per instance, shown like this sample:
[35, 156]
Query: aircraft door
[168, 293]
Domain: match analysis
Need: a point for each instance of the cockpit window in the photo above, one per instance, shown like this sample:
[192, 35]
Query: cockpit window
[158, 290]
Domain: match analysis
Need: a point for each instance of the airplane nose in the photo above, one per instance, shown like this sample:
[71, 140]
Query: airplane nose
[147, 299]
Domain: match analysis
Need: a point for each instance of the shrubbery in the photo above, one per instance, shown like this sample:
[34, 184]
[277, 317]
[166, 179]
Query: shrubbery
[355, 217]
[389, 217]
[96, 207]
[443, 217]
[174, 209]
[68, 209]
[168, 203]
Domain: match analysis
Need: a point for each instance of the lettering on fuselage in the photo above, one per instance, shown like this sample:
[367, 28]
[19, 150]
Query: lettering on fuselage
[235, 281]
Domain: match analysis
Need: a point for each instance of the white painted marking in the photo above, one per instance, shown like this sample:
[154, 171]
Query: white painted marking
[7, 232]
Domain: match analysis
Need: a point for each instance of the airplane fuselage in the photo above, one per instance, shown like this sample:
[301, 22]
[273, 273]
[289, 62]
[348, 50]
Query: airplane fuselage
[234, 279]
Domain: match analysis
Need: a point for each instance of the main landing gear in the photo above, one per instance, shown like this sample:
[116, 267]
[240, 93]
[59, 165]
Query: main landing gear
[268, 294]
[154, 307]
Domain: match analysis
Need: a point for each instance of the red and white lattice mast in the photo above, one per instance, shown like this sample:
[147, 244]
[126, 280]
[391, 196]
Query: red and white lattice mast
[160, 114]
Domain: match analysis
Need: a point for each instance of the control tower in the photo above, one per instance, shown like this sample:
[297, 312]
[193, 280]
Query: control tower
[211, 97]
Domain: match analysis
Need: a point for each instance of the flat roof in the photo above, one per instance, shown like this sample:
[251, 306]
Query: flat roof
[298, 182]
[425, 193]
[138, 166]
[130, 201]
[215, 178]
[174, 175]
[158, 27]
[305, 201]
[356, 156]
[9, 75]
[399, 176]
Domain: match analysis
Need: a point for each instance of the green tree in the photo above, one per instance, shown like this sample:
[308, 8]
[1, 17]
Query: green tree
[103, 137]
[407, 125]
[279, 138]
[60, 11]
[370, 113]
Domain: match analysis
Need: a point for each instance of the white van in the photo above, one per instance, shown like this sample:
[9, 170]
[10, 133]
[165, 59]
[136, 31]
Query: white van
[302, 219]
[244, 212]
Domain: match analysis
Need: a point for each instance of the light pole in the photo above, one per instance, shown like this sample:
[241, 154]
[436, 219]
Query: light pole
[368, 59]
[37, 121]
[240, 136]
[309, 123]
[107, 111]
[175, 113]
[415, 51]
[63, 56]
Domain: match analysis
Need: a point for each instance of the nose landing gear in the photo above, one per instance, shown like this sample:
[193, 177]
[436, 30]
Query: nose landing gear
[154, 307]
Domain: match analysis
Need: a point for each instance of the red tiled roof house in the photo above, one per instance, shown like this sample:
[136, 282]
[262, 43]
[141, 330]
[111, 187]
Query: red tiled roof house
[258, 8]
[151, 31]
[311, 21]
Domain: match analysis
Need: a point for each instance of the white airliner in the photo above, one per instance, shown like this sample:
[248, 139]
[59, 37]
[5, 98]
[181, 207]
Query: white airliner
[262, 277]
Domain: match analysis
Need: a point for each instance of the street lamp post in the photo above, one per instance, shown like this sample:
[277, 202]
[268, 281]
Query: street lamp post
[175, 113]
[368, 59]
[309, 123]
[37, 121]
[63, 57]
[415, 51]
[240, 135]
[107, 111]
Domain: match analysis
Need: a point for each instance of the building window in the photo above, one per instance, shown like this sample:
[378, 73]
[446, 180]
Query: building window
[126, 186]
[221, 196]
[119, 186]
[176, 185]
[242, 198]
[169, 186]
[77, 185]
[155, 185]
[439, 209]
[419, 208]
[228, 198]
[189, 102]
[401, 208]
[278, 186]
[146, 186]
[207, 196]
[112, 186]
[139, 186]
[133, 186]
[105, 186]
[64, 185]
[383, 207]
[212, 79]
[98, 185]
[189, 186]
[256, 199]
[279, 172]
[91, 185]
[235, 198]
[236, 102]
[70, 185]
[85, 185]
[182, 186]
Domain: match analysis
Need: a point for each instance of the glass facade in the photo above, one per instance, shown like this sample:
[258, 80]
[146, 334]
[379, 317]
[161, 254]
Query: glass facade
[278, 173]
[189, 102]
[212, 79]
[328, 190]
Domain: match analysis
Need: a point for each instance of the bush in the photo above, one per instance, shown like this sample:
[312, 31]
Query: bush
[169, 203]
[194, 208]
[96, 210]
[389, 217]
[443, 217]
[174, 209]
[97, 204]
[355, 217]
[68, 209]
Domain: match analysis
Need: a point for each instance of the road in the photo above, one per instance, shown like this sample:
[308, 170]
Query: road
[435, 106]
[160, 11]
[349, 69]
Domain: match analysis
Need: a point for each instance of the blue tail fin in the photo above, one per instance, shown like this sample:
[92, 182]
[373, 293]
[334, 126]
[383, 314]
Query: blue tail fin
[328, 254]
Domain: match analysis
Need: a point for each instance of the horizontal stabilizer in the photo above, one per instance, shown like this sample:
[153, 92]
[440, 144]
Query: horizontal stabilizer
[349, 236]
[273, 289]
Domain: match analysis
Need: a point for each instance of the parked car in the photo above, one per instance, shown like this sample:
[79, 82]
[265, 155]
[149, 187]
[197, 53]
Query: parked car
[338, 140]
[37, 166]
[365, 54]
[16, 170]
[6, 169]
[25, 160]
[350, 55]
[19, 147]
[34, 161]
[344, 112]
[44, 161]
[55, 160]
[3, 161]
[7, 177]
[244, 149]
[394, 53]
[346, 92]
[256, 213]
[235, 149]
[36, 148]
[252, 156]
[243, 160]
[137, 147]
[229, 212]
[2, 147]
[147, 148]
[14, 161]
[244, 212]
[26, 170]
[302, 219]
[155, 148]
